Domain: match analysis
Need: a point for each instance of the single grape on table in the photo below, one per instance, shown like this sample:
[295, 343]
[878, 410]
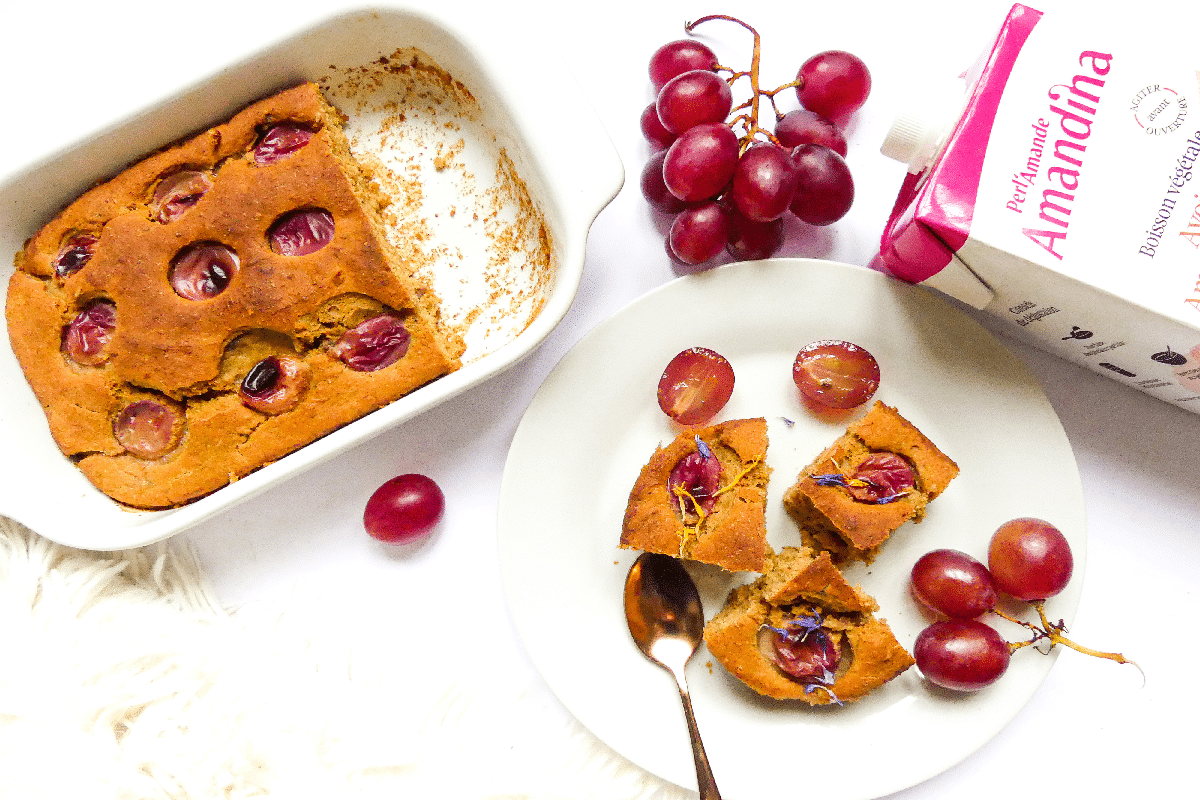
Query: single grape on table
[404, 509]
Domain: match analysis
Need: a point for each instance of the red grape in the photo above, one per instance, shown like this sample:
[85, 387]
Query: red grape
[700, 162]
[85, 340]
[693, 98]
[279, 142]
[764, 181]
[954, 583]
[404, 509]
[803, 649]
[807, 127]
[695, 479]
[962, 654]
[148, 429]
[373, 344]
[74, 254]
[177, 193]
[203, 270]
[678, 57]
[881, 478]
[836, 374]
[652, 128]
[275, 384]
[824, 187]
[655, 190]
[1030, 559]
[699, 233]
[750, 240]
[696, 384]
[301, 232]
[833, 84]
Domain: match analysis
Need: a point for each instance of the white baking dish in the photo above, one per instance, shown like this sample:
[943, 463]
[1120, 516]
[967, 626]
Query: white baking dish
[570, 178]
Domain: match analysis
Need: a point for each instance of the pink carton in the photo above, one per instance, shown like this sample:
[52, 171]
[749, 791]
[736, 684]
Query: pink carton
[1055, 186]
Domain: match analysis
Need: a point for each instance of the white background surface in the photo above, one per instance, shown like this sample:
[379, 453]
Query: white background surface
[1093, 729]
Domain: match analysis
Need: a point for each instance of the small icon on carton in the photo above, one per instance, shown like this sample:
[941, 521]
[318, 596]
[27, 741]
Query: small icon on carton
[1118, 370]
[1170, 357]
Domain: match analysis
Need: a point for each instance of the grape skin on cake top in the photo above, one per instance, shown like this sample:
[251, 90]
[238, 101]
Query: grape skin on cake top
[220, 304]
[703, 496]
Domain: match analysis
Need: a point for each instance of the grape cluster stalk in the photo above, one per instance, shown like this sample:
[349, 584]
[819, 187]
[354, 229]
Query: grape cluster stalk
[725, 178]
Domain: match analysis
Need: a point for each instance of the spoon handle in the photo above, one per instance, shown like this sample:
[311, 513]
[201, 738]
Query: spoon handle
[704, 777]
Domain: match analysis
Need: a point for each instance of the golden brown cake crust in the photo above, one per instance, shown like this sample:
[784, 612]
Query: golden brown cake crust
[797, 582]
[831, 519]
[733, 535]
[188, 352]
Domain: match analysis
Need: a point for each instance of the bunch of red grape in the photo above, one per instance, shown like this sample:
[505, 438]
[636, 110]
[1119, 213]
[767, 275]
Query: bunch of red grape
[727, 180]
[1028, 560]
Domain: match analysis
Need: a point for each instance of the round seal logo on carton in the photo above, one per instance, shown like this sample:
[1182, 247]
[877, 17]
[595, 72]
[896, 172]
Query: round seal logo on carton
[1159, 109]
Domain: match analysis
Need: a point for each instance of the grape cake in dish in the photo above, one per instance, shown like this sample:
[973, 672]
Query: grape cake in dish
[220, 304]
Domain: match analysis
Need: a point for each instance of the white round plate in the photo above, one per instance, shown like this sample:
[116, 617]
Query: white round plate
[596, 421]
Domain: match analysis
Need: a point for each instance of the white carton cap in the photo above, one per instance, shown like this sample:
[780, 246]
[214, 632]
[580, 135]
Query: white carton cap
[921, 129]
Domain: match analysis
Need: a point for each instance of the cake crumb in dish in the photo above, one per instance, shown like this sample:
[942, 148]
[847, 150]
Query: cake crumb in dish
[461, 211]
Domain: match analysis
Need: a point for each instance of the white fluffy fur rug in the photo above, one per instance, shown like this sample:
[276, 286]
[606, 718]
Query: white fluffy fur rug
[122, 677]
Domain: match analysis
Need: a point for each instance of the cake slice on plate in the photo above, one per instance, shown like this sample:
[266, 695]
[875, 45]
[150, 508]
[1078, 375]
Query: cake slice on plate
[703, 497]
[802, 632]
[880, 474]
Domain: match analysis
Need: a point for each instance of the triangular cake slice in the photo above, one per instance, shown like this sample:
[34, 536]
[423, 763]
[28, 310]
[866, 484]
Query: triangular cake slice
[703, 497]
[802, 632]
[880, 474]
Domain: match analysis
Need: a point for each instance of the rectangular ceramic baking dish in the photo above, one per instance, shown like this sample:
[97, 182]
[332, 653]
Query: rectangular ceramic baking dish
[41, 489]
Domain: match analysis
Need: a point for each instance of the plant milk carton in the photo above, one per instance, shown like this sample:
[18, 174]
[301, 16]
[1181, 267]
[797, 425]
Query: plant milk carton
[1056, 186]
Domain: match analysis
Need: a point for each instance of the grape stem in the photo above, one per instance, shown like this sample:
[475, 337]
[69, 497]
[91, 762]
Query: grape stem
[1053, 632]
[750, 119]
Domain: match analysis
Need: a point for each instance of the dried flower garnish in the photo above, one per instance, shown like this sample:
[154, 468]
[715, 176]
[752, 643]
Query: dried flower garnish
[837, 479]
[694, 483]
[880, 478]
[806, 651]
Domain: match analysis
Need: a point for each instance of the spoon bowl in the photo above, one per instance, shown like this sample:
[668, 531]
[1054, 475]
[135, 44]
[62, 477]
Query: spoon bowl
[666, 620]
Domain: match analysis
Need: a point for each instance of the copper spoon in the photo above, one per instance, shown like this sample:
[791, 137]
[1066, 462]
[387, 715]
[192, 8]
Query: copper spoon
[666, 619]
